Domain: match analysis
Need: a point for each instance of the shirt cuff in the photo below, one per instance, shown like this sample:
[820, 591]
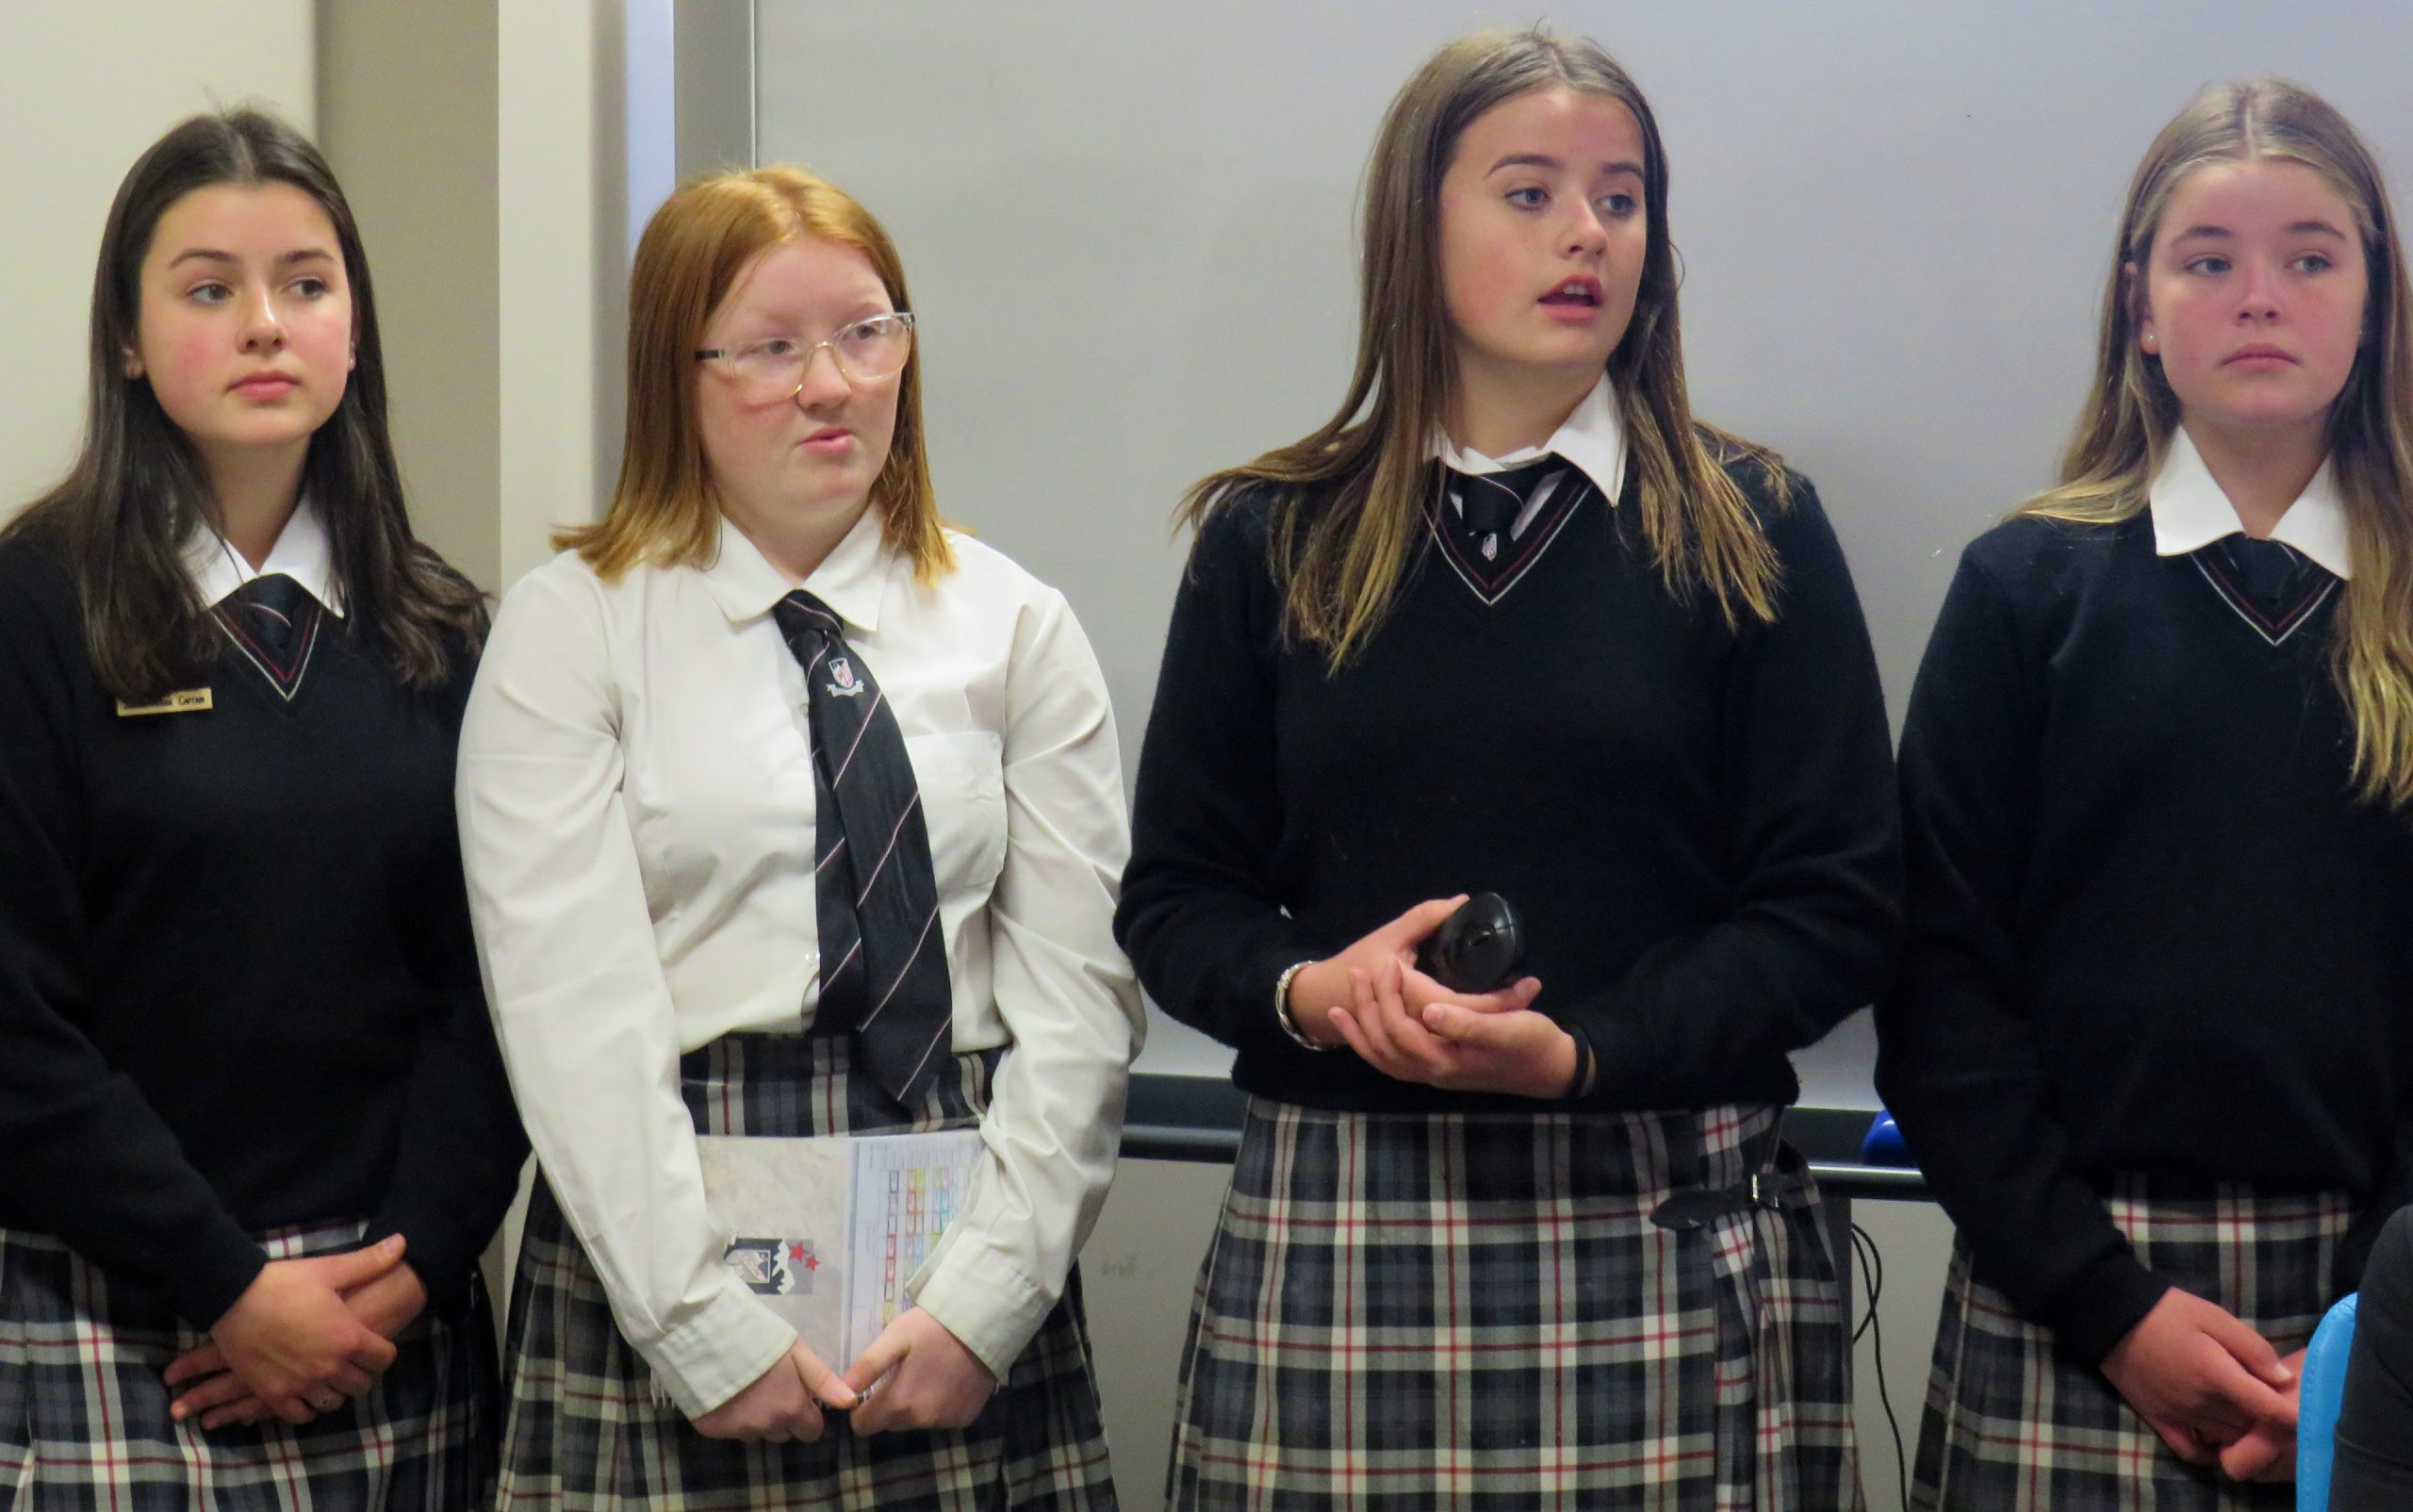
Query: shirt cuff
[720, 1352]
[977, 1293]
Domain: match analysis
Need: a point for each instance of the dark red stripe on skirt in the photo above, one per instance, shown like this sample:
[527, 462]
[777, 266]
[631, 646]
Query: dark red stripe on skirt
[85, 1427]
[1475, 1311]
[586, 1432]
[2012, 1424]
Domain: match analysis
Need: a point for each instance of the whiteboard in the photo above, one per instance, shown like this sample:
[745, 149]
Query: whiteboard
[1129, 230]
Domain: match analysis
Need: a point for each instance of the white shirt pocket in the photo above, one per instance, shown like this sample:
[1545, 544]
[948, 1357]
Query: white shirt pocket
[962, 781]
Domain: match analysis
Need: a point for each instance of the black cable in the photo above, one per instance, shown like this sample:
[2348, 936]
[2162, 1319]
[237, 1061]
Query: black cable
[1873, 1268]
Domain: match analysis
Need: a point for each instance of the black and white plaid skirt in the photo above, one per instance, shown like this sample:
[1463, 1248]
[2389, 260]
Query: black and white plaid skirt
[587, 1432]
[84, 1424]
[2014, 1424]
[1475, 1311]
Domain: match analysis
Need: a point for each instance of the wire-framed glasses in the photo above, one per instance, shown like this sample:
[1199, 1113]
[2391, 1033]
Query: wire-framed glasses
[866, 351]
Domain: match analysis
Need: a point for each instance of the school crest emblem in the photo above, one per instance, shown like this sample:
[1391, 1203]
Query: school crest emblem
[842, 681]
[772, 1267]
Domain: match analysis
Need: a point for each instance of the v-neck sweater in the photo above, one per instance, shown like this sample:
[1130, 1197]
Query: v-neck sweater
[237, 989]
[1695, 820]
[2152, 928]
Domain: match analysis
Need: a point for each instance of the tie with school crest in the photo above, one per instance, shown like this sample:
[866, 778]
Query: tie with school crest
[1490, 502]
[1479, 532]
[883, 957]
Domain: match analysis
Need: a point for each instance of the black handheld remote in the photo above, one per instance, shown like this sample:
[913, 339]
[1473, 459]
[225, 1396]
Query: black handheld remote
[1477, 949]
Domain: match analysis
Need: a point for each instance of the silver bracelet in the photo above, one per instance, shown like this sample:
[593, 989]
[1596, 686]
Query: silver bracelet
[1282, 1014]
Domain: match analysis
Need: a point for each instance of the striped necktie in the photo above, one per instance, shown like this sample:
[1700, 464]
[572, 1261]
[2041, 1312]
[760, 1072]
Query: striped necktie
[2272, 573]
[274, 622]
[883, 957]
[2270, 584]
[1490, 502]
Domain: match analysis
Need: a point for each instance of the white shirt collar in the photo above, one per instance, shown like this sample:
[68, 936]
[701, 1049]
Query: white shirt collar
[301, 552]
[2191, 511]
[1591, 437]
[851, 580]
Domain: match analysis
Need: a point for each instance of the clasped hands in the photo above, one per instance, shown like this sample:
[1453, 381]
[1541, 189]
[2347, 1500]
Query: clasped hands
[2216, 1391]
[1408, 1026]
[303, 1336]
[915, 1375]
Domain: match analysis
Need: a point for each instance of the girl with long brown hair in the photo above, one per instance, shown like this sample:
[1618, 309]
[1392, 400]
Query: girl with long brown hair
[1514, 620]
[254, 1130]
[2149, 1042]
[790, 811]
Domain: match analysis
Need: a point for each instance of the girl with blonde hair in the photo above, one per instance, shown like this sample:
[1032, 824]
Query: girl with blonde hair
[789, 810]
[2149, 1041]
[1514, 620]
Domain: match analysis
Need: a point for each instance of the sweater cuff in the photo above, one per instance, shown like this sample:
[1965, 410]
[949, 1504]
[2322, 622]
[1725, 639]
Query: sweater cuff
[215, 1271]
[435, 1256]
[1622, 1066]
[720, 1352]
[2107, 1300]
[1258, 1028]
[977, 1293]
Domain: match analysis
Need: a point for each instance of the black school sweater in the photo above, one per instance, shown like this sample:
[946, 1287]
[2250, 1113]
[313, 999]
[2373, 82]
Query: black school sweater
[1696, 821]
[236, 984]
[2151, 928]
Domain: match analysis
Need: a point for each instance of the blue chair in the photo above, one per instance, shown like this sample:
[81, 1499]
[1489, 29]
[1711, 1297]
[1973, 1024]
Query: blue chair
[2318, 1395]
[1883, 1144]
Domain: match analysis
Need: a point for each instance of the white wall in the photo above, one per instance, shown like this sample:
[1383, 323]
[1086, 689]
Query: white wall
[84, 88]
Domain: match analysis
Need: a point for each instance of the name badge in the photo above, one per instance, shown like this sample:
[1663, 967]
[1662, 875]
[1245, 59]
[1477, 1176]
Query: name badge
[191, 700]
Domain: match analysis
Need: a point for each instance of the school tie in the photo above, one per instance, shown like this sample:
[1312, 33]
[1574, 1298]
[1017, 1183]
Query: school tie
[883, 957]
[2274, 576]
[1490, 502]
[271, 618]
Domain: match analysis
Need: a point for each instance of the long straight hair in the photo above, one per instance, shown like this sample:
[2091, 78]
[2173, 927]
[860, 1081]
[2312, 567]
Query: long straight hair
[1349, 557]
[696, 247]
[2124, 431]
[138, 488]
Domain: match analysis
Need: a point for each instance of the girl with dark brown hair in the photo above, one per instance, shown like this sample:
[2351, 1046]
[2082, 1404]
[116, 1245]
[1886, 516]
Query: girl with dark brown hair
[254, 1131]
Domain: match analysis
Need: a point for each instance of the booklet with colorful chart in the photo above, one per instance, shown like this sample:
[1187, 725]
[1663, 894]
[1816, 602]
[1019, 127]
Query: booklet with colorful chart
[829, 1231]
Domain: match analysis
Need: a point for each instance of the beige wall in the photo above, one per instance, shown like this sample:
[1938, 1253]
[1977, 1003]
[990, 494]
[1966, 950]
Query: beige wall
[482, 147]
[84, 88]
[407, 116]
[561, 266]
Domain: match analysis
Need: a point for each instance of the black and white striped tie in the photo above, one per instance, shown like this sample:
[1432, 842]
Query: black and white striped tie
[1490, 502]
[883, 957]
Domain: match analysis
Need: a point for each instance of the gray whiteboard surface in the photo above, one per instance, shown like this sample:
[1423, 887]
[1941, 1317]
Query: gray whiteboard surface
[1130, 234]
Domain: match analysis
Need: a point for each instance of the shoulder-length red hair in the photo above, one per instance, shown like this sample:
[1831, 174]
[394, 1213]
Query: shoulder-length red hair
[703, 239]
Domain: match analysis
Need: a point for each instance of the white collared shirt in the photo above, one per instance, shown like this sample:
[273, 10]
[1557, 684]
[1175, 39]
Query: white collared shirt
[636, 803]
[1592, 437]
[301, 552]
[2191, 511]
